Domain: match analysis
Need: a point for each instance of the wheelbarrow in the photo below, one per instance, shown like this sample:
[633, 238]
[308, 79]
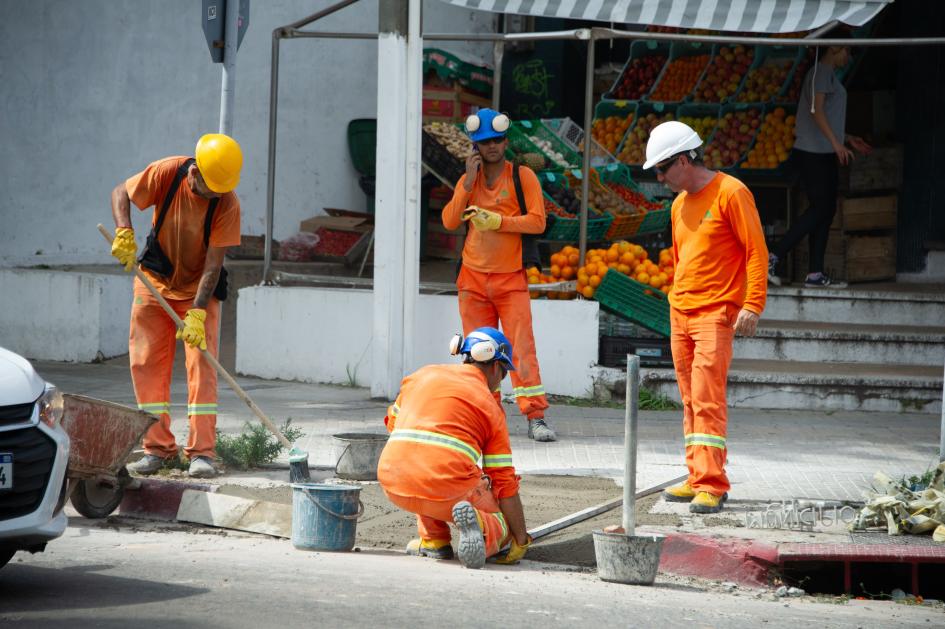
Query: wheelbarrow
[102, 436]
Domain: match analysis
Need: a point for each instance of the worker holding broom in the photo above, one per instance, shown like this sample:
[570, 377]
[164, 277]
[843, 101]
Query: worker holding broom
[503, 206]
[197, 216]
[444, 420]
[719, 291]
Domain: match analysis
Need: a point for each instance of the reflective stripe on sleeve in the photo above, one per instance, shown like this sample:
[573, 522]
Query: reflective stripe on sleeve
[497, 460]
[436, 439]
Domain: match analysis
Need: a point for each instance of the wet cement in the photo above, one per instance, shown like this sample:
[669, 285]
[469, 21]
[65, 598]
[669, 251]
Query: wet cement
[544, 498]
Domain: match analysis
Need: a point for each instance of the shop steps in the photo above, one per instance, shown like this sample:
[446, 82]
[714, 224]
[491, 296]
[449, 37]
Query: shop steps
[792, 385]
[814, 341]
[875, 303]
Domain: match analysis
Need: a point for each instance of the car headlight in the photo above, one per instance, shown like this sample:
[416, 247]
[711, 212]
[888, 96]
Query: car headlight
[50, 406]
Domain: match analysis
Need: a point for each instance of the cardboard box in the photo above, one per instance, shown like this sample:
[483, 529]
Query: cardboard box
[868, 213]
[450, 104]
[356, 224]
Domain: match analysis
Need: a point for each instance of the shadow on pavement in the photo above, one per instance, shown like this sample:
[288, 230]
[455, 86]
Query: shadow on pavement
[25, 588]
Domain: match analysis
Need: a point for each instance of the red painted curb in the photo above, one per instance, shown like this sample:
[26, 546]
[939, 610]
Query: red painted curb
[157, 499]
[743, 561]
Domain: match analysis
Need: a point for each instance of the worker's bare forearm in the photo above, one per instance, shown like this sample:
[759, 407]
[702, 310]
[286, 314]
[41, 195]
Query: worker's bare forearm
[511, 508]
[210, 276]
[121, 206]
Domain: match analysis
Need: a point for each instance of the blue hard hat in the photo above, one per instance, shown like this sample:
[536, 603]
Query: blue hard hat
[487, 123]
[487, 344]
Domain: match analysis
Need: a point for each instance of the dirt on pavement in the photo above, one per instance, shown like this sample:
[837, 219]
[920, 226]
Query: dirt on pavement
[545, 498]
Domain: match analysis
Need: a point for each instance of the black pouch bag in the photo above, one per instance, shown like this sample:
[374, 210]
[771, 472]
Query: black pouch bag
[530, 255]
[153, 257]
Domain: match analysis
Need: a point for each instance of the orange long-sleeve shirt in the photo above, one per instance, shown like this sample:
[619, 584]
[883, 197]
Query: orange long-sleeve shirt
[444, 419]
[718, 248]
[497, 251]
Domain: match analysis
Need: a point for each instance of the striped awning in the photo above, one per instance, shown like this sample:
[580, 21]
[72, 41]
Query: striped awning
[746, 16]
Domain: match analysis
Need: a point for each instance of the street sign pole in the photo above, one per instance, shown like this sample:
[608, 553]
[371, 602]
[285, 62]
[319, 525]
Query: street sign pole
[228, 86]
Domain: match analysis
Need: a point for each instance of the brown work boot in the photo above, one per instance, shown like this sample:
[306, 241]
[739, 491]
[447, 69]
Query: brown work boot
[679, 493]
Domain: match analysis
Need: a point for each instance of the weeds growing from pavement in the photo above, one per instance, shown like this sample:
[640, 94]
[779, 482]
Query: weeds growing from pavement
[254, 446]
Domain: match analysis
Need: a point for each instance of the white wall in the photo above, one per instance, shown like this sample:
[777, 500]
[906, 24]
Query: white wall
[51, 315]
[323, 335]
[95, 90]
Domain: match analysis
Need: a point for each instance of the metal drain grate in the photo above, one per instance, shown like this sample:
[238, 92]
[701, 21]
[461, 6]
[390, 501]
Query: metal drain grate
[884, 539]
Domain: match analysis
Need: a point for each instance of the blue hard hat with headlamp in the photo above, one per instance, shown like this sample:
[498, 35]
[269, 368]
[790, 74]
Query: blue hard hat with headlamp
[486, 124]
[484, 345]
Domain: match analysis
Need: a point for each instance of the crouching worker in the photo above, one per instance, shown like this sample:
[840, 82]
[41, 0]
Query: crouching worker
[444, 420]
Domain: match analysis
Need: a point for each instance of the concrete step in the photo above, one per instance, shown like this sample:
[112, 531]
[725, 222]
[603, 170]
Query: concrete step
[811, 341]
[876, 303]
[788, 385]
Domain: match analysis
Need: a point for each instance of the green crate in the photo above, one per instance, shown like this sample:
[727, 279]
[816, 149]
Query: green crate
[362, 145]
[638, 49]
[716, 55]
[569, 229]
[783, 169]
[654, 222]
[785, 56]
[620, 108]
[628, 298]
[537, 129]
[677, 51]
[644, 109]
[723, 111]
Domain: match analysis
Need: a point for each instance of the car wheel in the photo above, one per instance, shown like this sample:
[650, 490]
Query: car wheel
[6, 556]
[96, 499]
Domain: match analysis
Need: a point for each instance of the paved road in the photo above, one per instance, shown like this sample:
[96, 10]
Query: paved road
[139, 575]
[773, 455]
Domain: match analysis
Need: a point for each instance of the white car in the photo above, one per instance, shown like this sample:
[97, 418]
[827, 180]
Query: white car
[34, 455]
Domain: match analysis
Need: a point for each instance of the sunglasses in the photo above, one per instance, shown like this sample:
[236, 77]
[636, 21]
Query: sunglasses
[662, 169]
[492, 140]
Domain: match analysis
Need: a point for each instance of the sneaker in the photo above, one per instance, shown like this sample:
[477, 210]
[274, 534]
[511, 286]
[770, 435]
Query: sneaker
[704, 502]
[772, 273]
[201, 467]
[540, 431]
[679, 493]
[472, 545]
[432, 548]
[146, 465]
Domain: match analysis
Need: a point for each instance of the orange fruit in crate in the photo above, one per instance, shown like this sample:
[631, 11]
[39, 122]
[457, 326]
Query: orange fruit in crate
[643, 277]
[567, 272]
[612, 255]
[573, 259]
[555, 270]
[627, 258]
[624, 268]
[594, 281]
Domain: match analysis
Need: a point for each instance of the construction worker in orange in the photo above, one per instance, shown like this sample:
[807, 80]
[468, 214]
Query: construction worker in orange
[503, 208]
[444, 420]
[719, 291]
[196, 217]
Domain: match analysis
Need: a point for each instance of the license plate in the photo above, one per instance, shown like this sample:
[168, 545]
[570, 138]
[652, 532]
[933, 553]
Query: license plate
[6, 471]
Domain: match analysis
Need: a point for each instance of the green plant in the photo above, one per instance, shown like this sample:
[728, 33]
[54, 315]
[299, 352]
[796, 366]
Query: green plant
[916, 483]
[651, 401]
[254, 446]
[352, 373]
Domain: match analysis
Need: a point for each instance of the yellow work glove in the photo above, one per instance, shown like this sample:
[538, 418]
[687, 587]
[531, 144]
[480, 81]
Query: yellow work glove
[486, 220]
[124, 247]
[516, 552]
[193, 332]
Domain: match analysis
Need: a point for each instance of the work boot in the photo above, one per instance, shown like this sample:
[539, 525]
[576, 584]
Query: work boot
[201, 467]
[704, 502]
[146, 465]
[540, 431]
[432, 548]
[679, 493]
[472, 544]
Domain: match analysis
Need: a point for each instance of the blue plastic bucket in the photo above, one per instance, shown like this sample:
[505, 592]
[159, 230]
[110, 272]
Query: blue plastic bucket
[325, 517]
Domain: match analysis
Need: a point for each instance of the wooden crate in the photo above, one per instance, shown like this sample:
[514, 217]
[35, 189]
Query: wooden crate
[868, 213]
[870, 258]
[880, 170]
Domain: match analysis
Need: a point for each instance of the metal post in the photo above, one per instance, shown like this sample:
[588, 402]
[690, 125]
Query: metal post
[586, 166]
[630, 444]
[228, 88]
[271, 174]
[941, 431]
[498, 51]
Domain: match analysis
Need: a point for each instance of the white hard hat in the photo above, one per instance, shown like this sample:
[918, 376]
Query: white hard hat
[668, 139]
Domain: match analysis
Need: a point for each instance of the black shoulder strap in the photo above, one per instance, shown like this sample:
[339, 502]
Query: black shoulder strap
[208, 221]
[517, 180]
[178, 177]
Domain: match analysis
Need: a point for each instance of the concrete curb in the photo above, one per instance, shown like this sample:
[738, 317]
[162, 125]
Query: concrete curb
[158, 499]
[746, 562]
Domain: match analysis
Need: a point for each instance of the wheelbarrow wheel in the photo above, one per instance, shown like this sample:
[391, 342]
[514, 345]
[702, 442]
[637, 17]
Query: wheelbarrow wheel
[95, 498]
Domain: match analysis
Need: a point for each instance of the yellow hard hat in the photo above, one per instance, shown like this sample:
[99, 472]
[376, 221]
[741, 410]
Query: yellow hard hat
[219, 159]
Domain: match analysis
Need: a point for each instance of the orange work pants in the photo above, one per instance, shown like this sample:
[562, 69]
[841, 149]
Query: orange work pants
[702, 352]
[151, 347]
[433, 515]
[485, 299]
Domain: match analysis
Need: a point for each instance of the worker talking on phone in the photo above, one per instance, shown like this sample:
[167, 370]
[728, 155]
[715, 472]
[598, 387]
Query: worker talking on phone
[502, 205]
